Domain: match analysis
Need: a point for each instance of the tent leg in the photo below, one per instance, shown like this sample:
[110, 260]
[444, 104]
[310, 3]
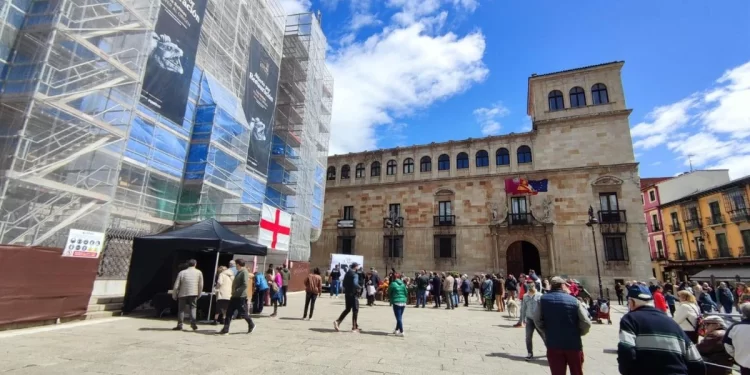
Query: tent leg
[211, 295]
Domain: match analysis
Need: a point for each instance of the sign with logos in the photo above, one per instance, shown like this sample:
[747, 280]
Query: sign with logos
[84, 244]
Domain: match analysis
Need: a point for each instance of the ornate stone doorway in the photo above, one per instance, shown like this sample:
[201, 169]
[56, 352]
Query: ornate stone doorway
[521, 257]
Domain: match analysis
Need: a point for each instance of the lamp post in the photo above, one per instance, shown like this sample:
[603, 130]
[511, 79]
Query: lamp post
[590, 223]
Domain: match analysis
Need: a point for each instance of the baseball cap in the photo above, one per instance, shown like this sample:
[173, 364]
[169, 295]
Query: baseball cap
[557, 280]
[640, 292]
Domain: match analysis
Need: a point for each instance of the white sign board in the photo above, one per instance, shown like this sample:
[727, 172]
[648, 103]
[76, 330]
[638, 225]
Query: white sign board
[275, 228]
[345, 260]
[84, 244]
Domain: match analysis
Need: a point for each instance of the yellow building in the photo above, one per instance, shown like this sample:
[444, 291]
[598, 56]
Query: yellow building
[709, 231]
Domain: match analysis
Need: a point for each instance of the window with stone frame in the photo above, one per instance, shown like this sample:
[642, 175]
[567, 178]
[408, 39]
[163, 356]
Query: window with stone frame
[599, 94]
[408, 166]
[393, 246]
[390, 168]
[444, 162]
[345, 172]
[524, 154]
[577, 97]
[482, 159]
[502, 156]
[462, 161]
[425, 164]
[375, 169]
[555, 99]
[348, 213]
[615, 248]
[331, 173]
[359, 171]
[345, 245]
[444, 246]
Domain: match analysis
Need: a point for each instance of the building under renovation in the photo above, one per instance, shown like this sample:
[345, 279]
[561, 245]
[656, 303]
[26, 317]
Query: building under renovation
[133, 116]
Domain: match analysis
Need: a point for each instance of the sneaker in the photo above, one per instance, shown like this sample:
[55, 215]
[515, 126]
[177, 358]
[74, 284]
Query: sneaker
[395, 332]
[178, 328]
[222, 332]
[194, 327]
[530, 357]
[251, 328]
[400, 334]
[336, 325]
[355, 330]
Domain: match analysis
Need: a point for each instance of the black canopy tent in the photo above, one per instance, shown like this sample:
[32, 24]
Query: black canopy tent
[155, 257]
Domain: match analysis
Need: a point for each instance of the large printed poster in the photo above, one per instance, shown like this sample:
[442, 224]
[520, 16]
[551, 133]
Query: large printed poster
[174, 44]
[259, 103]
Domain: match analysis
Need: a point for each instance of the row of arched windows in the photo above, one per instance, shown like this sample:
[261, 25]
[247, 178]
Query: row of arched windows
[578, 97]
[482, 159]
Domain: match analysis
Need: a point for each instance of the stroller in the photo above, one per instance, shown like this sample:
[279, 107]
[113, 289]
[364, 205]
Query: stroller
[602, 311]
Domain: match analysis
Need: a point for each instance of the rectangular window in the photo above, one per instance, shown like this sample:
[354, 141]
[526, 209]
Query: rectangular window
[655, 223]
[659, 250]
[615, 248]
[444, 208]
[609, 202]
[348, 213]
[716, 217]
[721, 241]
[345, 245]
[700, 248]
[393, 247]
[652, 196]
[746, 242]
[445, 246]
[518, 205]
[675, 221]
[394, 210]
[680, 249]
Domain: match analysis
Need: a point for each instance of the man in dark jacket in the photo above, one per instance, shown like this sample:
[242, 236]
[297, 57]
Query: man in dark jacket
[352, 290]
[422, 282]
[653, 343]
[563, 320]
[238, 301]
[437, 289]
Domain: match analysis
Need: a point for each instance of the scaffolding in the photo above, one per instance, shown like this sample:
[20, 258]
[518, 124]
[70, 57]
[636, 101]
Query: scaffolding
[301, 129]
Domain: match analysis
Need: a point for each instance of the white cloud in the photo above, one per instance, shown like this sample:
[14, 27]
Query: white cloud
[394, 73]
[360, 20]
[656, 163]
[709, 129]
[488, 118]
[412, 11]
[296, 6]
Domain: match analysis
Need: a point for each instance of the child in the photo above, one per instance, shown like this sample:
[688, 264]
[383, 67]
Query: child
[670, 301]
[275, 296]
[370, 293]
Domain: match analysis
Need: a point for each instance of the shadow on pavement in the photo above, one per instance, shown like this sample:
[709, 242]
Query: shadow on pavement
[287, 318]
[541, 361]
[331, 330]
[159, 329]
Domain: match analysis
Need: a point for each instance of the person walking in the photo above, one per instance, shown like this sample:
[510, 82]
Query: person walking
[422, 281]
[223, 292]
[397, 294]
[448, 290]
[618, 293]
[186, 290]
[528, 308]
[687, 315]
[562, 320]
[313, 289]
[652, 343]
[352, 292]
[238, 302]
[286, 277]
[737, 340]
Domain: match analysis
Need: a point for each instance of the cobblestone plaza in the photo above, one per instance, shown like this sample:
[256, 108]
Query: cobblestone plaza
[462, 341]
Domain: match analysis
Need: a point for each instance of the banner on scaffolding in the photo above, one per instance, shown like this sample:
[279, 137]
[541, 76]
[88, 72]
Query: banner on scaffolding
[259, 104]
[275, 228]
[172, 50]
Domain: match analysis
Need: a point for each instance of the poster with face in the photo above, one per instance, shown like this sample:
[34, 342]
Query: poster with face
[173, 46]
[259, 104]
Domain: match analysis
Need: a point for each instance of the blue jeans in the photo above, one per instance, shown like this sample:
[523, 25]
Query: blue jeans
[335, 287]
[455, 299]
[421, 297]
[398, 311]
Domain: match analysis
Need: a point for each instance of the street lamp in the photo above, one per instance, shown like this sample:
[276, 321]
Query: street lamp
[590, 223]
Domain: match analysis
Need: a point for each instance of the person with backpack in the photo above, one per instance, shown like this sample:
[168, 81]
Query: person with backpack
[422, 282]
[465, 289]
[352, 291]
[688, 315]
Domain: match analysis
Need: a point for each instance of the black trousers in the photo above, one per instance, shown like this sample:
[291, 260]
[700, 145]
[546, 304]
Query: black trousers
[239, 305]
[619, 299]
[436, 297]
[309, 301]
[352, 304]
[283, 292]
[466, 298]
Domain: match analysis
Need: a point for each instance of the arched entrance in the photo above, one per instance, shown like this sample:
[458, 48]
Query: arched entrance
[521, 257]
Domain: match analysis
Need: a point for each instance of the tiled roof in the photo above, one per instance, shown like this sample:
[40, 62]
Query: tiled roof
[574, 69]
[651, 181]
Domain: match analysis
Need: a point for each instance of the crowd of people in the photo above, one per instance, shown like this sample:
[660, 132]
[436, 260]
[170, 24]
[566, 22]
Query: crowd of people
[667, 329]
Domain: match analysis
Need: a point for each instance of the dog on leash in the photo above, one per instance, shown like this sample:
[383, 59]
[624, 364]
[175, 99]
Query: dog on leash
[512, 307]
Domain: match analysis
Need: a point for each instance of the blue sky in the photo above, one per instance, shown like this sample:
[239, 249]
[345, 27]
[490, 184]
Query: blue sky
[419, 71]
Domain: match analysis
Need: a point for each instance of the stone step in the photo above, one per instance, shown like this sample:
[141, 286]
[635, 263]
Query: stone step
[105, 307]
[103, 300]
[102, 314]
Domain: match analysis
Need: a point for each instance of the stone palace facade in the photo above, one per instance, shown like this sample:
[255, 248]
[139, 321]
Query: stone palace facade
[443, 206]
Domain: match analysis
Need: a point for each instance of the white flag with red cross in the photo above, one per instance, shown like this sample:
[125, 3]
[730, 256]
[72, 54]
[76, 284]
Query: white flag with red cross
[275, 228]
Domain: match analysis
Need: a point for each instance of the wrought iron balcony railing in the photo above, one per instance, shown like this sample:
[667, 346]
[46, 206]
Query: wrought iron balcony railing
[520, 219]
[674, 227]
[715, 220]
[612, 216]
[693, 223]
[444, 220]
[654, 228]
[739, 215]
